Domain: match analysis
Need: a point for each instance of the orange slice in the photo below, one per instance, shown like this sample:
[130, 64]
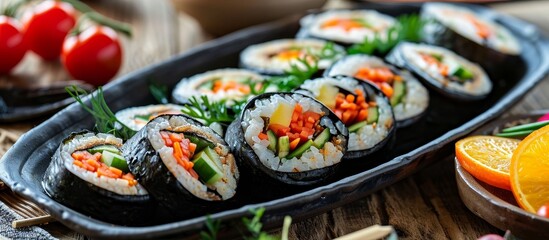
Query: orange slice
[487, 158]
[530, 171]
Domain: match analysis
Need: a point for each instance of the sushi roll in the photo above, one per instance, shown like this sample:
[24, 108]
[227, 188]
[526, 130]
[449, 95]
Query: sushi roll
[89, 174]
[407, 96]
[470, 35]
[361, 107]
[288, 138]
[443, 70]
[186, 166]
[346, 26]
[137, 117]
[230, 85]
[276, 57]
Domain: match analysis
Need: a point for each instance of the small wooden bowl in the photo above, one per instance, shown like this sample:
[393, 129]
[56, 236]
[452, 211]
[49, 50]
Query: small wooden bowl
[498, 206]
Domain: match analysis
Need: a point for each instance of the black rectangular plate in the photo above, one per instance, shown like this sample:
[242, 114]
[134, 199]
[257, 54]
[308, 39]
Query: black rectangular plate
[415, 147]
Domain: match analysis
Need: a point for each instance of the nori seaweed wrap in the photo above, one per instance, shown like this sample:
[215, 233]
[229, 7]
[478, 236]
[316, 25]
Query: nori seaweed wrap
[361, 106]
[76, 178]
[186, 166]
[288, 138]
[471, 35]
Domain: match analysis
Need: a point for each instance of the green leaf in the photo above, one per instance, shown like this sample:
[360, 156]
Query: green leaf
[159, 92]
[208, 112]
[213, 228]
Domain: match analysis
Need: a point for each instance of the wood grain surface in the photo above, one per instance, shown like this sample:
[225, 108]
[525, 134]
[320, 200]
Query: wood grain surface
[424, 206]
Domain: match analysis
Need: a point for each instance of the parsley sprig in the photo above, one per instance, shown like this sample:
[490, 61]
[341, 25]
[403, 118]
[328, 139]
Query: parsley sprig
[105, 120]
[407, 28]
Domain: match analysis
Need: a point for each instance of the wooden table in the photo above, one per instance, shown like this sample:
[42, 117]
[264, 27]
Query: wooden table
[424, 206]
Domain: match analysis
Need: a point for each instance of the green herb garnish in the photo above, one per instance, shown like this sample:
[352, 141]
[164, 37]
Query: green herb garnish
[213, 228]
[407, 28]
[294, 77]
[105, 120]
[522, 130]
[208, 111]
[159, 91]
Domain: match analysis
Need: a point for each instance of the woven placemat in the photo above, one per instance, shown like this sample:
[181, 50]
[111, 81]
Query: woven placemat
[8, 137]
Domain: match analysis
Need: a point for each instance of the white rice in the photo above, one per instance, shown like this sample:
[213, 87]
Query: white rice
[89, 140]
[455, 18]
[313, 158]
[480, 85]
[379, 22]
[259, 57]
[226, 187]
[369, 135]
[190, 87]
[128, 115]
[416, 98]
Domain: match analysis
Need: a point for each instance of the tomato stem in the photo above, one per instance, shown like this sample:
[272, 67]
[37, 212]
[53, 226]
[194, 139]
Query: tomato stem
[99, 18]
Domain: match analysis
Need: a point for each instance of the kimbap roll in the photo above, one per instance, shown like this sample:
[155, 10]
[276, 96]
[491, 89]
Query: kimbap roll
[469, 34]
[288, 137]
[137, 117]
[361, 107]
[276, 57]
[346, 26]
[407, 96]
[229, 85]
[185, 166]
[89, 174]
[443, 70]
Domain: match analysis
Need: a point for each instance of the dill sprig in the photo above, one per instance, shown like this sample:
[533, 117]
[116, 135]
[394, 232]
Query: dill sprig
[298, 73]
[208, 111]
[105, 120]
[407, 28]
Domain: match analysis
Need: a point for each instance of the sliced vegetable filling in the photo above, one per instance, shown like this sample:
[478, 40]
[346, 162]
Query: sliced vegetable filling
[104, 160]
[292, 135]
[448, 68]
[196, 155]
[391, 84]
[346, 24]
[218, 85]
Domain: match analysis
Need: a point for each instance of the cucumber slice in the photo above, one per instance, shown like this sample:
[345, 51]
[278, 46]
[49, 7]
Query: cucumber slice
[206, 169]
[114, 160]
[214, 157]
[145, 117]
[399, 93]
[300, 150]
[355, 127]
[463, 74]
[322, 138]
[373, 115]
[200, 142]
[283, 146]
[272, 140]
[101, 148]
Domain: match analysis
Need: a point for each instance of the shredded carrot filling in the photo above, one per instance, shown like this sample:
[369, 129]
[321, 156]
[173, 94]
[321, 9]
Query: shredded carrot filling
[443, 68]
[302, 126]
[483, 30]
[290, 54]
[223, 86]
[351, 108]
[183, 150]
[92, 163]
[383, 77]
[345, 24]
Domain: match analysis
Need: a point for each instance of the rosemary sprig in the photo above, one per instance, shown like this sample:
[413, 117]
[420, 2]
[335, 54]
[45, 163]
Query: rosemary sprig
[407, 28]
[105, 120]
[208, 111]
[158, 91]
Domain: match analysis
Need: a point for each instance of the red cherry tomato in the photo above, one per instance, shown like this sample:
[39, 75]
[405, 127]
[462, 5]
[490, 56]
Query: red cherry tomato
[46, 26]
[544, 210]
[94, 56]
[12, 45]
